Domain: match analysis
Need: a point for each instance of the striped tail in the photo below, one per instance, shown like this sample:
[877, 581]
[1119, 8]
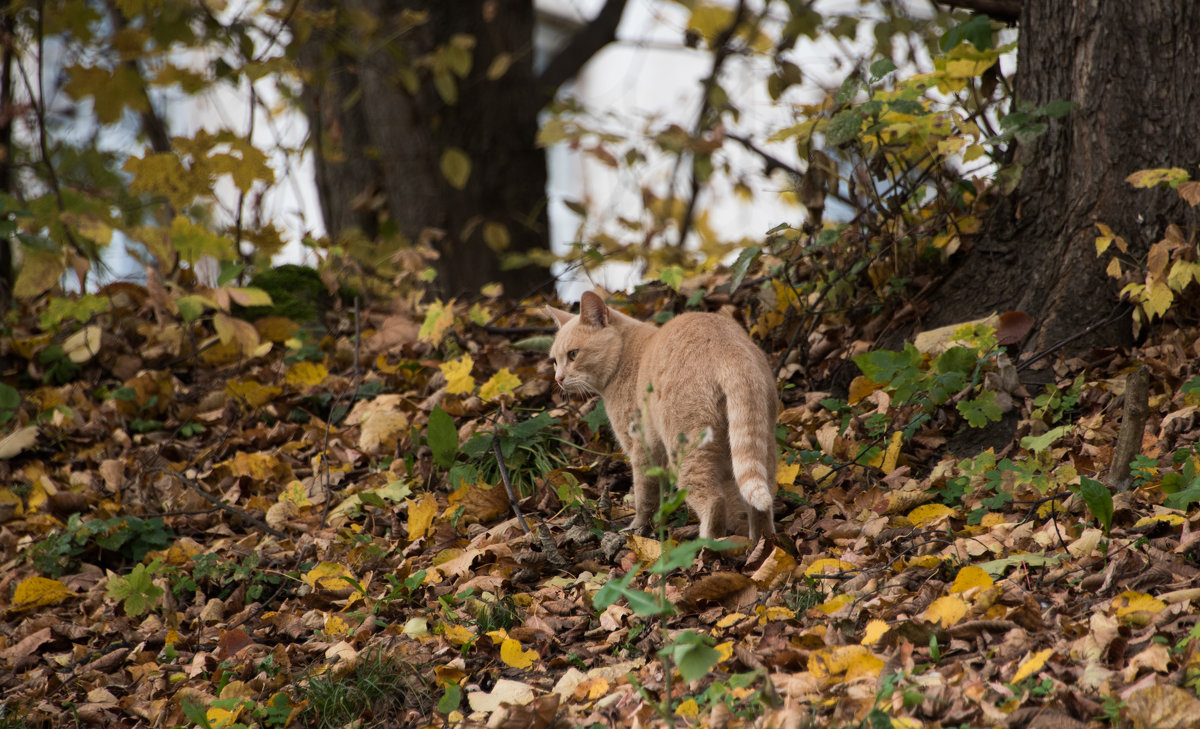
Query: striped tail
[750, 407]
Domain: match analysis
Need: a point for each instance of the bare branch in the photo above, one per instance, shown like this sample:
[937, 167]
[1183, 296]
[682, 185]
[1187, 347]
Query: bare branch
[601, 31]
[1008, 11]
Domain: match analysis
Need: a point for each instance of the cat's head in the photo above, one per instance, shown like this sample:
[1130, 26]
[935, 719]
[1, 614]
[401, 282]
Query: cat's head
[587, 348]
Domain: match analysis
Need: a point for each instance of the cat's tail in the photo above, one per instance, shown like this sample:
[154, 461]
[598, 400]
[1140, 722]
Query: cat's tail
[750, 410]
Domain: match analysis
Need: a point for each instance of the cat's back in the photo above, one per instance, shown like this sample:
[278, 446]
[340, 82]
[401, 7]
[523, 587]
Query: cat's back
[695, 344]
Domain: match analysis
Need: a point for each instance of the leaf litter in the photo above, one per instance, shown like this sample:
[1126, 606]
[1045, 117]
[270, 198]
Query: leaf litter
[230, 529]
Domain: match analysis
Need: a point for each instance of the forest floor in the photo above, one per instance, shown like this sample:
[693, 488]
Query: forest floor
[318, 533]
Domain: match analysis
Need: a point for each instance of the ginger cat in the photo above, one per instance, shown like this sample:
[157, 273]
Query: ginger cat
[695, 394]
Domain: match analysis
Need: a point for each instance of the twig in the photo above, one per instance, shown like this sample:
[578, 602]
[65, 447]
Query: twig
[1133, 423]
[1120, 311]
[512, 497]
[221, 504]
[720, 54]
[599, 32]
[329, 420]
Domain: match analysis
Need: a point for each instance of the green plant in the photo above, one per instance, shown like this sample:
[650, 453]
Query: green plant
[1055, 403]
[99, 541]
[136, 591]
[215, 577]
[530, 448]
[10, 401]
[59, 368]
[378, 686]
[930, 382]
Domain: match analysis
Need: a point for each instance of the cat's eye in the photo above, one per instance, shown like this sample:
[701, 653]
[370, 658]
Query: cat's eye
[572, 354]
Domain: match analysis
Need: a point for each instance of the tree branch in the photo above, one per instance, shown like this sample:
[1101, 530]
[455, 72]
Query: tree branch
[601, 31]
[1008, 11]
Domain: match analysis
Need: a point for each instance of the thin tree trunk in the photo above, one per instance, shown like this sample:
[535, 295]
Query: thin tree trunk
[379, 147]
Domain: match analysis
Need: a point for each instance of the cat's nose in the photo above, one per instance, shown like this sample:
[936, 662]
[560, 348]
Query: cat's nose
[558, 376]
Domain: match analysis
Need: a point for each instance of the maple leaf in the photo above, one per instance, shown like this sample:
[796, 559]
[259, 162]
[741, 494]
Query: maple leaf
[458, 375]
[439, 318]
[501, 383]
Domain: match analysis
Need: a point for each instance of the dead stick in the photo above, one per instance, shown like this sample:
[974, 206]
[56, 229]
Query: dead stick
[1133, 423]
[512, 497]
[221, 504]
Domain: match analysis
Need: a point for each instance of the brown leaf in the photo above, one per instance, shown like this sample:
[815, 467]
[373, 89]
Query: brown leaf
[1163, 707]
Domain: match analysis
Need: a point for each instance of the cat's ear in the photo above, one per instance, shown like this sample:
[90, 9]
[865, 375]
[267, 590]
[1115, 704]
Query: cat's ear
[592, 310]
[559, 316]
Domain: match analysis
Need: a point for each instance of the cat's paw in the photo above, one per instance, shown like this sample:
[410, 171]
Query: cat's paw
[638, 527]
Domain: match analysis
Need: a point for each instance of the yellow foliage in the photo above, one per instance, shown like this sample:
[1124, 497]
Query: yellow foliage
[501, 383]
[458, 375]
[420, 516]
[34, 592]
[1031, 665]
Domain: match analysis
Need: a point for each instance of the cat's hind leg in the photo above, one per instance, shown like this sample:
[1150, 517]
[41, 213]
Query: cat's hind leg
[704, 473]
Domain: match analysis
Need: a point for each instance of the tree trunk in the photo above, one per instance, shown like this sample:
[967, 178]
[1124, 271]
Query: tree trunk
[379, 148]
[1132, 69]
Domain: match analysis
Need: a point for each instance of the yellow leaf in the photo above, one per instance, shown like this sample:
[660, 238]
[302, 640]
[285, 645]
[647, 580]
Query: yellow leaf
[1182, 274]
[420, 516]
[457, 634]
[860, 387]
[252, 392]
[1129, 604]
[496, 236]
[249, 295]
[1150, 178]
[710, 19]
[892, 453]
[381, 431]
[306, 374]
[775, 612]
[1172, 519]
[873, 632]
[236, 331]
[34, 592]
[946, 610]
[458, 375]
[194, 242]
[647, 550]
[829, 607]
[456, 167]
[827, 565]
[328, 576]
[1105, 239]
[1158, 298]
[335, 625]
[258, 466]
[785, 474]
[970, 577]
[514, 655]
[930, 513]
[688, 709]
[296, 493]
[219, 718]
[501, 383]
[1114, 269]
[17, 509]
[1031, 665]
[438, 318]
[724, 651]
[40, 271]
[499, 66]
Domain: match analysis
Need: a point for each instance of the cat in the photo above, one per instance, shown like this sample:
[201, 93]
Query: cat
[696, 395]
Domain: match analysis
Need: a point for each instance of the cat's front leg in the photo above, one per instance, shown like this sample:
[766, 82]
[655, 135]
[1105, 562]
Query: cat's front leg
[645, 492]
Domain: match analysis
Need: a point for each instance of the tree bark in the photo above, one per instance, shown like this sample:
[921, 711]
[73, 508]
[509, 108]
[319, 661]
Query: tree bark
[379, 148]
[1132, 69]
